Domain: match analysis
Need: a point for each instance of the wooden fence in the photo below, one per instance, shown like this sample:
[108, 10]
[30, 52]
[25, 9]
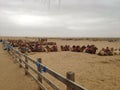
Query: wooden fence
[23, 60]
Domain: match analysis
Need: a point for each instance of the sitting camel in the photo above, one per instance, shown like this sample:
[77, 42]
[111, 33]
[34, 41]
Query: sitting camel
[82, 48]
[106, 52]
[47, 49]
[102, 52]
[91, 49]
[51, 49]
[65, 48]
[116, 51]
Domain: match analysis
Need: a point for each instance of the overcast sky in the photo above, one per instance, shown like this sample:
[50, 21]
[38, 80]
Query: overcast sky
[60, 18]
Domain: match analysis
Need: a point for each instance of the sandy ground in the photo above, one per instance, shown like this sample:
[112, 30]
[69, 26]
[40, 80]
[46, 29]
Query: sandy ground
[11, 76]
[91, 71]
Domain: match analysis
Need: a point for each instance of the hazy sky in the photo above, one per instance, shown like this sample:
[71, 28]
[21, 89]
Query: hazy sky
[60, 18]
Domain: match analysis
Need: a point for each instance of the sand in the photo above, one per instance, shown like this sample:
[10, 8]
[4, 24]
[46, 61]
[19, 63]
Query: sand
[11, 76]
[91, 71]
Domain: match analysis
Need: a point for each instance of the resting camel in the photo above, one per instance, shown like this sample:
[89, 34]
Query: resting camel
[48, 49]
[116, 51]
[102, 52]
[74, 48]
[106, 51]
[91, 49]
[82, 48]
[65, 48]
[51, 49]
[78, 48]
[54, 48]
[62, 48]
[24, 48]
[37, 48]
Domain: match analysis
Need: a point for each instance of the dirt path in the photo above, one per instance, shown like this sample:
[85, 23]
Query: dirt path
[11, 76]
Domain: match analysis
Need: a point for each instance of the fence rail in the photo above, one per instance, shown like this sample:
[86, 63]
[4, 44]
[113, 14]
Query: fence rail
[23, 60]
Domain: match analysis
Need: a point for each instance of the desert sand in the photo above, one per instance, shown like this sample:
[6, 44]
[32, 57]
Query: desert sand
[91, 71]
[11, 76]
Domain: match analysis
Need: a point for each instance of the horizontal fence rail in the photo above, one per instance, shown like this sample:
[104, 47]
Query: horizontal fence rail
[23, 60]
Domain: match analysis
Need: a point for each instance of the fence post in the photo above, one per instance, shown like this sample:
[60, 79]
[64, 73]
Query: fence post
[10, 52]
[20, 61]
[13, 54]
[40, 70]
[16, 57]
[71, 76]
[26, 66]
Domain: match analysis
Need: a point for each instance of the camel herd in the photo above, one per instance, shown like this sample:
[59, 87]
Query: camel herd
[33, 46]
[42, 45]
[92, 50]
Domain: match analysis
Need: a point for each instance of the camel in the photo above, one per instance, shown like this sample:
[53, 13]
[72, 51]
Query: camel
[51, 49]
[82, 48]
[65, 48]
[106, 51]
[91, 49]
[102, 52]
[116, 51]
